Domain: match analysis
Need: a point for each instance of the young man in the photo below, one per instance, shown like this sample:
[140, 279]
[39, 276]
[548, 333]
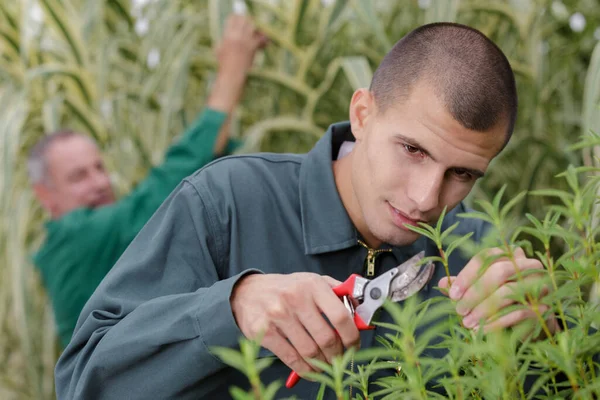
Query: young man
[255, 243]
[89, 229]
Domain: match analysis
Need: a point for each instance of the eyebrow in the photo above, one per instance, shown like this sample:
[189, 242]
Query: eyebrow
[412, 142]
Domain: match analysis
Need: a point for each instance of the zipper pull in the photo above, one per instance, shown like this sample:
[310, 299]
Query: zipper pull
[371, 255]
[370, 262]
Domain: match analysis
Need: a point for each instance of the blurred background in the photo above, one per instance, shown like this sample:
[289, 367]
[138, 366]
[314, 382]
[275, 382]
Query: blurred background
[133, 74]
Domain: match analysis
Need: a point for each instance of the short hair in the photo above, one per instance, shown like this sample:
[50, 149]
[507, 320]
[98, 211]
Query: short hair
[469, 73]
[37, 163]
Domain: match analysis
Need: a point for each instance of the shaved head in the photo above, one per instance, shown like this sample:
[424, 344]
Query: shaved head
[466, 70]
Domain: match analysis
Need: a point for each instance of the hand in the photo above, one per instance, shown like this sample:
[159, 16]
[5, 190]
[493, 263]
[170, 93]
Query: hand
[480, 296]
[238, 46]
[235, 55]
[287, 310]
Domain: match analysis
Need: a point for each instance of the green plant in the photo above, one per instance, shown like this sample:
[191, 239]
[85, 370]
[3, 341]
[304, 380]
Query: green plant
[525, 362]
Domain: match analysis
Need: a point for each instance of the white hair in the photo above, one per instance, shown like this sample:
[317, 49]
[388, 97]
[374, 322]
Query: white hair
[37, 164]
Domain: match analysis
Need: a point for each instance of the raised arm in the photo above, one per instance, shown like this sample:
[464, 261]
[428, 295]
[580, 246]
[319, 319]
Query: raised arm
[207, 137]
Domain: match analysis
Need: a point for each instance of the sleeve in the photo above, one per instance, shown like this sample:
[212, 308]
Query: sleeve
[148, 330]
[193, 151]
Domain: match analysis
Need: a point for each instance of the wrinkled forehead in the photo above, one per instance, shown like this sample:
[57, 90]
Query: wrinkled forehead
[69, 153]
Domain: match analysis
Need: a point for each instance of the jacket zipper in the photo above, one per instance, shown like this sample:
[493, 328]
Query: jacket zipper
[371, 254]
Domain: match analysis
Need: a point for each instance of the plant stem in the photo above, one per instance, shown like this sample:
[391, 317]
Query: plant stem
[445, 264]
[550, 263]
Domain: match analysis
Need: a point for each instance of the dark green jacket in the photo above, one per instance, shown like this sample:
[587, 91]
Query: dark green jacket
[147, 332]
[82, 246]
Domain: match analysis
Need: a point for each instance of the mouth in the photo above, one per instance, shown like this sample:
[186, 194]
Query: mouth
[400, 219]
[101, 201]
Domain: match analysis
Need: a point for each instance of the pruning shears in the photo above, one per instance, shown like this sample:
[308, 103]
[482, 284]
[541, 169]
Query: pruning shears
[397, 284]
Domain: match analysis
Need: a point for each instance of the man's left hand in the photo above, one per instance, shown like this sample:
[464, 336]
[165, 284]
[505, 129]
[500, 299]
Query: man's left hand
[480, 296]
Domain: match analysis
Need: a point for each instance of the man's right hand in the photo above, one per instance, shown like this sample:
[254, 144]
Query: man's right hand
[239, 44]
[289, 311]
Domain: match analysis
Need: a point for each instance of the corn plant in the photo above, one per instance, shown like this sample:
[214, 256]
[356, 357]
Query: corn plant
[133, 76]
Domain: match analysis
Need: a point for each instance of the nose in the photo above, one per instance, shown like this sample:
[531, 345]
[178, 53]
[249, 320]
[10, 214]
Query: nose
[101, 180]
[425, 189]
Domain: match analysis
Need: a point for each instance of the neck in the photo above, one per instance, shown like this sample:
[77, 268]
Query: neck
[342, 172]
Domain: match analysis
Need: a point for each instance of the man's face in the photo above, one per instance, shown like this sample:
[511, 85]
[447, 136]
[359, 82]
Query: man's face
[410, 162]
[75, 177]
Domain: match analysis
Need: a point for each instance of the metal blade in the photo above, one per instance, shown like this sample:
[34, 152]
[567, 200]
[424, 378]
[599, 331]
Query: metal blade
[412, 279]
[407, 272]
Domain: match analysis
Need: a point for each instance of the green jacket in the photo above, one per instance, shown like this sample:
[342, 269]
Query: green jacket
[83, 245]
[149, 329]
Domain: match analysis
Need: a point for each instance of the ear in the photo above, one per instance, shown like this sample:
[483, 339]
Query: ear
[362, 110]
[45, 196]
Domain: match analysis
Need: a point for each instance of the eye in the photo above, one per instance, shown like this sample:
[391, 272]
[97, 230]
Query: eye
[413, 150]
[462, 174]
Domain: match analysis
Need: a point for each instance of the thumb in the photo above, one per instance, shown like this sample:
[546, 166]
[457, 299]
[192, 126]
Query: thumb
[331, 281]
[445, 284]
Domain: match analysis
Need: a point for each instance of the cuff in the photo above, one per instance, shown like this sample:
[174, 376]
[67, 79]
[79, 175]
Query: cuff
[216, 323]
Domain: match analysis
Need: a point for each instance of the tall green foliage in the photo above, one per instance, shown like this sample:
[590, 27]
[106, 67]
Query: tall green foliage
[134, 77]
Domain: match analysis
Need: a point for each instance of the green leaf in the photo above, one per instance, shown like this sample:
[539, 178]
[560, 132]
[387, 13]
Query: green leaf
[438, 226]
[442, 11]
[337, 10]
[239, 394]
[230, 357]
[357, 71]
[457, 243]
[551, 193]
[299, 14]
[366, 11]
[448, 231]
[271, 391]
[498, 199]
[476, 215]
[512, 202]
[421, 231]
[591, 94]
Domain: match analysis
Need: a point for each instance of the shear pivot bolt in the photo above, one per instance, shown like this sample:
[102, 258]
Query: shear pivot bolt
[375, 293]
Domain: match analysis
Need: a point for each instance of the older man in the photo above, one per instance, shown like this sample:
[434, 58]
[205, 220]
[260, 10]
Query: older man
[89, 229]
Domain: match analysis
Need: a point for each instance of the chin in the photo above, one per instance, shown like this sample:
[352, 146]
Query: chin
[397, 237]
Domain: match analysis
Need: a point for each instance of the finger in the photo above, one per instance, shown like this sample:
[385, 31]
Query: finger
[263, 40]
[277, 343]
[445, 283]
[499, 273]
[337, 314]
[305, 345]
[510, 320]
[259, 39]
[503, 297]
[470, 273]
[519, 253]
[328, 341]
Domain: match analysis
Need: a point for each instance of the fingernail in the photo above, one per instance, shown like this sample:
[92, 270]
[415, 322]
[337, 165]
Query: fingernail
[469, 321]
[455, 292]
[462, 310]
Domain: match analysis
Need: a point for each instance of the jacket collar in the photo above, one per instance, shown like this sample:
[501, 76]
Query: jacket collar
[326, 225]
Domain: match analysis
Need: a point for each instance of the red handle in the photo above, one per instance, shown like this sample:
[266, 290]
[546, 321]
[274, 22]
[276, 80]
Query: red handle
[344, 289]
[347, 287]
